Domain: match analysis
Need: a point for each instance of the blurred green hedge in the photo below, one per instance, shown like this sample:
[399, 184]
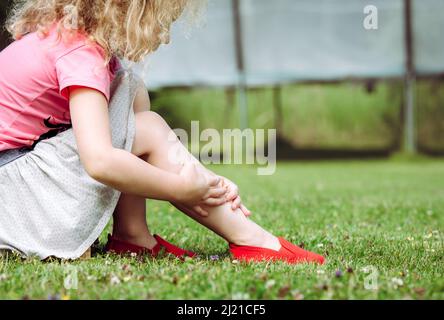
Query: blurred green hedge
[353, 116]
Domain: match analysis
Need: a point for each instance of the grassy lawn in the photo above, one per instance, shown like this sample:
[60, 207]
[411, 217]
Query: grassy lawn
[379, 216]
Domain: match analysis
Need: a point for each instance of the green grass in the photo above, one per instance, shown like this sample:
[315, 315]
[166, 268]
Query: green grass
[385, 215]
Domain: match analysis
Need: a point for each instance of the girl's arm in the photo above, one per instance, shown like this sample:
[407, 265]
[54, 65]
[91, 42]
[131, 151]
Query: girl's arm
[122, 170]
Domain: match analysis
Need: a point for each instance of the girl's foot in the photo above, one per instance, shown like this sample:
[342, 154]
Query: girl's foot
[288, 252]
[122, 247]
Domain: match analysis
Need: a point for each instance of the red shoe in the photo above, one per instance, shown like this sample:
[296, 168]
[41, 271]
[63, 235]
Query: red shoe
[122, 247]
[171, 248]
[289, 253]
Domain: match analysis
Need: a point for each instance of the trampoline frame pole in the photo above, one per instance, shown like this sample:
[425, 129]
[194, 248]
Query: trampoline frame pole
[242, 77]
[410, 142]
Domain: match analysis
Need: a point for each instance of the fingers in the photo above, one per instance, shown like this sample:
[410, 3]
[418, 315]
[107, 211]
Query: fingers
[233, 190]
[215, 202]
[233, 193]
[236, 203]
[199, 210]
[245, 210]
[216, 193]
[213, 181]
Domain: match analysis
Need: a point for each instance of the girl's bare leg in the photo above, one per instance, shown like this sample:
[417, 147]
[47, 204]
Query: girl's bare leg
[153, 142]
[129, 223]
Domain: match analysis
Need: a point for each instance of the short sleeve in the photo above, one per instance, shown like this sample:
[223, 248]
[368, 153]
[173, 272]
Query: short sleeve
[83, 67]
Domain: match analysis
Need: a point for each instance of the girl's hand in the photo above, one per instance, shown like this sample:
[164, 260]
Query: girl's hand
[234, 197]
[199, 188]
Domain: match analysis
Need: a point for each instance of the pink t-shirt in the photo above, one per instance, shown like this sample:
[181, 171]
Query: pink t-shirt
[35, 76]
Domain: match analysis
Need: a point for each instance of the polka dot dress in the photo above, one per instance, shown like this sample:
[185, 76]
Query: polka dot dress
[49, 206]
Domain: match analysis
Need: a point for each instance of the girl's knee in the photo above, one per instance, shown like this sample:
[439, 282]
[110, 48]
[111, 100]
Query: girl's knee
[150, 117]
[153, 122]
[142, 102]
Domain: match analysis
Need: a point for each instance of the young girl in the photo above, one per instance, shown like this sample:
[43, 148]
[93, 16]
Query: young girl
[78, 143]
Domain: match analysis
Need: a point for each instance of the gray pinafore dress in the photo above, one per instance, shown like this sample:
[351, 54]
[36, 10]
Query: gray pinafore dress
[49, 206]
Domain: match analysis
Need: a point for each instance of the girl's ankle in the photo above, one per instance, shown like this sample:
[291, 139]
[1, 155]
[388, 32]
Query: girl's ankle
[145, 241]
[260, 239]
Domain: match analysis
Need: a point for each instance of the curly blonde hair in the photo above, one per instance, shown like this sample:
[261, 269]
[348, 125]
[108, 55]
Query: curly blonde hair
[128, 29]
